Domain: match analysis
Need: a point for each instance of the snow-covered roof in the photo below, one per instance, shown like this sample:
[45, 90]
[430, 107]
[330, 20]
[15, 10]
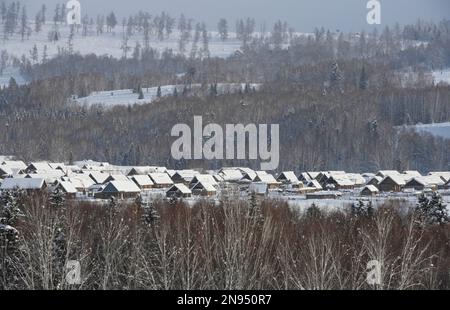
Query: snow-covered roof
[67, 187]
[384, 173]
[181, 188]
[98, 177]
[204, 185]
[356, 178]
[371, 188]
[315, 184]
[266, 178]
[42, 166]
[342, 180]
[23, 183]
[187, 175]
[289, 176]
[398, 179]
[57, 165]
[161, 178]
[14, 164]
[429, 180]
[412, 173]
[205, 178]
[249, 173]
[122, 187]
[142, 180]
[445, 175]
[231, 174]
[117, 177]
[81, 182]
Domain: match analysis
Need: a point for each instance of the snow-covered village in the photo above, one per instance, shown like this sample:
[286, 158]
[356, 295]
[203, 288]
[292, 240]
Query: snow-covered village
[207, 146]
[100, 182]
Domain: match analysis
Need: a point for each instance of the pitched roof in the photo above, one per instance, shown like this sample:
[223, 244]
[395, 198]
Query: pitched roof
[204, 185]
[121, 187]
[98, 177]
[67, 187]
[43, 166]
[14, 164]
[117, 177]
[22, 183]
[231, 174]
[181, 188]
[161, 178]
[398, 179]
[371, 188]
[289, 176]
[266, 178]
[206, 178]
[81, 182]
[315, 184]
[142, 180]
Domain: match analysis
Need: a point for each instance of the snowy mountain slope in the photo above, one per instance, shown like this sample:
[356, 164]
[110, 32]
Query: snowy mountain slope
[107, 43]
[127, 97]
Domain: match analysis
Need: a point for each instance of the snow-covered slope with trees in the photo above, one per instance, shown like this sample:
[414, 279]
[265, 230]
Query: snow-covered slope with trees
[129, 97]
[438, 129]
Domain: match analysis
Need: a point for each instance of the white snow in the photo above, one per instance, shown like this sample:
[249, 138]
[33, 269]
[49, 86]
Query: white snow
[127, 97]
[442, 76]
[437, 129]
[108, 43]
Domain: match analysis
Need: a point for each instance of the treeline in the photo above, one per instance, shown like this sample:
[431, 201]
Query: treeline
[237, 245]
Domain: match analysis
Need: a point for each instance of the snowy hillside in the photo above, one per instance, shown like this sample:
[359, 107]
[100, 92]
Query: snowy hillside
[438, 129]
[106, 43]
[127, 97]
[441, 76]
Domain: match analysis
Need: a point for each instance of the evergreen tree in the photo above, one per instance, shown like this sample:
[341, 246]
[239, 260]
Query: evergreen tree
[313, 212]
[432, 211]
[158, 92]
[10, 207]
[141, 93]
[57, 199]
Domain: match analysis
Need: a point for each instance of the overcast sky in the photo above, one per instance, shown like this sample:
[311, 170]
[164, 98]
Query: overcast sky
[303, 15]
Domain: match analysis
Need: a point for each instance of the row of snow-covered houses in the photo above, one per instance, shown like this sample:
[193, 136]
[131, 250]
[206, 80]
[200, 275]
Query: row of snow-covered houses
[102, 180]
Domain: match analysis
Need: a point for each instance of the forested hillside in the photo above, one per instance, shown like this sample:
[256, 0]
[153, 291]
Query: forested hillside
[339, 98]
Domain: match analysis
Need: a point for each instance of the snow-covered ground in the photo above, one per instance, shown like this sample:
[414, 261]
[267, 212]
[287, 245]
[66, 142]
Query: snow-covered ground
[127, 97]
[107, 43]
[442, 76]
[437, 129]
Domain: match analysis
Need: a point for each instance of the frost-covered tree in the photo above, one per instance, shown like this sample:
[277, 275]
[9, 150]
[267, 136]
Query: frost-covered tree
[57, 199]
[432, 211]
[10, 207]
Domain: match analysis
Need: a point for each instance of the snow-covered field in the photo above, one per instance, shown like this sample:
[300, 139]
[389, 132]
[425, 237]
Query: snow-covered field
[127, 97]
[438, 129]
[107, 43]
[442, 76]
